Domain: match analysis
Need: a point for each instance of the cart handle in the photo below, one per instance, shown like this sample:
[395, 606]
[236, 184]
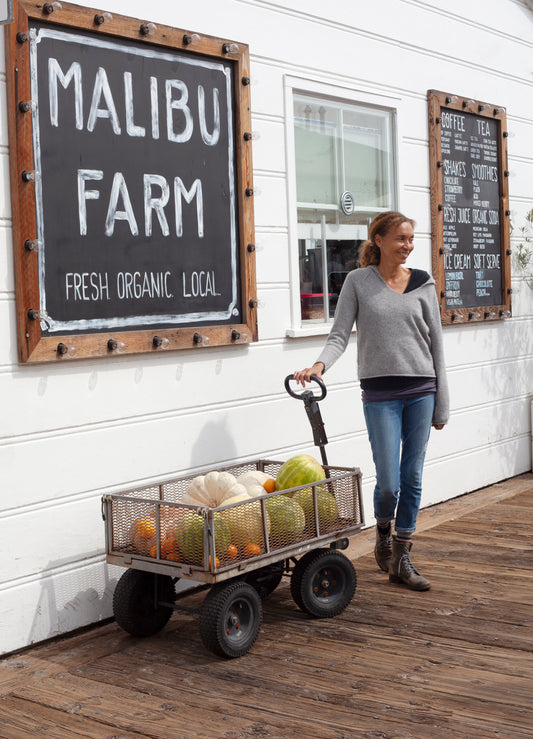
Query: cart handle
[305, 393]
[310, 401]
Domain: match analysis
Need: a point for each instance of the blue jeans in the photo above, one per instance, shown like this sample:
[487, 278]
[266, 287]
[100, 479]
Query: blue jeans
[399, 431]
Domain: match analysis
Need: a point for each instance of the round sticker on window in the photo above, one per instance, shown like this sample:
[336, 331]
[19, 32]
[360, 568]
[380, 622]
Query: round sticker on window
[347, 203]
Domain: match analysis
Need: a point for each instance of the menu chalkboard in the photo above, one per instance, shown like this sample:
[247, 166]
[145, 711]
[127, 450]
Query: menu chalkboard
[469, 213]
[137, 181]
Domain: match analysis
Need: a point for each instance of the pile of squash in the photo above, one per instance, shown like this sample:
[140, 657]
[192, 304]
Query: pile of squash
[239, 531]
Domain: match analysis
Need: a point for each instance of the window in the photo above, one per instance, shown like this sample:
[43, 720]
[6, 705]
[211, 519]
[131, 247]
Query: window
[344, 172]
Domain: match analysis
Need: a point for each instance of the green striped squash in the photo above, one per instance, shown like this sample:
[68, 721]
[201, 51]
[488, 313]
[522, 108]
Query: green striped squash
[299, 470]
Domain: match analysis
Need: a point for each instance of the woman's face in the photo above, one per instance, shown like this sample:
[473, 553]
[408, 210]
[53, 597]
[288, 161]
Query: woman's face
[397, 244]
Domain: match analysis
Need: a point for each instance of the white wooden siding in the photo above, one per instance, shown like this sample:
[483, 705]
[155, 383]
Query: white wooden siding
[73, 431]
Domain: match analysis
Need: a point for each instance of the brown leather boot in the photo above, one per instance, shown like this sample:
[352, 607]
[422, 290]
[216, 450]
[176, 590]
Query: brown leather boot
[383, 549]
[402, 569]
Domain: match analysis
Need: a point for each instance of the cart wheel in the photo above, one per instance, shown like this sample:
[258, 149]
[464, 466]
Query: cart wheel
[230, 618]
[265, 579]
[323, 583]
[137, 602]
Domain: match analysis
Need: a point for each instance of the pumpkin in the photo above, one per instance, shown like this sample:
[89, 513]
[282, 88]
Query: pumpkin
[142, 532]
[143, 545]
[212, 490]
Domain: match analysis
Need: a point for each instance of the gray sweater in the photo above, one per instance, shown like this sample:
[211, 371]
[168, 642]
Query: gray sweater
[398, 334]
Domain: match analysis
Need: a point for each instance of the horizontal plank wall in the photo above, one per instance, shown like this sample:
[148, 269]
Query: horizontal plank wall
[71, 433]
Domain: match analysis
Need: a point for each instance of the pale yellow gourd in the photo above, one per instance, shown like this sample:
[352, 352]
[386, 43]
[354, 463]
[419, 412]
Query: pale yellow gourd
[254, 481]
[245, 522]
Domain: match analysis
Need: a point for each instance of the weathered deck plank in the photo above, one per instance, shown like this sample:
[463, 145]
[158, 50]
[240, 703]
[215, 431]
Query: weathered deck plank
[453, 661]
[18, 722]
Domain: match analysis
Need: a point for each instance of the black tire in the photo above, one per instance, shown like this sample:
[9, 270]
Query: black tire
[265, 579]
[323, 583]
[230, 618]
[137, 602]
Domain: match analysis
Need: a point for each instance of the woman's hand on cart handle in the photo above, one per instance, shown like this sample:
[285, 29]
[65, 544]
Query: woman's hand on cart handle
[303, 376]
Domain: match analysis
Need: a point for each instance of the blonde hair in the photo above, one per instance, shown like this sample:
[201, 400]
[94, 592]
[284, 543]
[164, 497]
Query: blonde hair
[381, 225]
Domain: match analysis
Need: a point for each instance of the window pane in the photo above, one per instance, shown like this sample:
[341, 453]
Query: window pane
[342, 258]
[342, 241]
[311, 291]
[315, 138]
[367, 158]
[339, 147]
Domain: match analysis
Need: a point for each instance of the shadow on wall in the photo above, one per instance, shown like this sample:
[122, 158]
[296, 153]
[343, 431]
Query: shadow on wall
[78, 593]
[58, 611]
[213, 446]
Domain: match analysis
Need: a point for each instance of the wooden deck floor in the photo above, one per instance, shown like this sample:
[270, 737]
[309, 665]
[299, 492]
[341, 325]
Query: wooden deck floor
[454, 662]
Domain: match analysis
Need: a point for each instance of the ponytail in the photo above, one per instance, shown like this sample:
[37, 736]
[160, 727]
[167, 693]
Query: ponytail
[369, 254]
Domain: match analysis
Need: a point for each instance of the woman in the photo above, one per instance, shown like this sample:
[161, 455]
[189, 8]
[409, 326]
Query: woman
[403, 380]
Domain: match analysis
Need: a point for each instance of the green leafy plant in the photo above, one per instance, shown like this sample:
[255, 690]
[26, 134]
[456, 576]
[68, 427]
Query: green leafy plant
[524, 251]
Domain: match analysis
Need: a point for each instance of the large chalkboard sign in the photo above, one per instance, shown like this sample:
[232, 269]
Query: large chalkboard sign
[132, 185]
[470, 216]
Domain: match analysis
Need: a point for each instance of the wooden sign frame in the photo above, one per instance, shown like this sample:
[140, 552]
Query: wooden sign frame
[453, 260]
[35, 342]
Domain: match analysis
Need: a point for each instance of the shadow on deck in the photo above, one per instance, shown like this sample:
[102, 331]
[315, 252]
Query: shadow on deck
[452, 662]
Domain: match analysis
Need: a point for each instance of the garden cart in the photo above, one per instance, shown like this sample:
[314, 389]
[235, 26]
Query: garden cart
[162, 538]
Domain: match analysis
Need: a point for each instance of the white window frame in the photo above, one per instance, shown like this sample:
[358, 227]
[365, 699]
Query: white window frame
[318, 88]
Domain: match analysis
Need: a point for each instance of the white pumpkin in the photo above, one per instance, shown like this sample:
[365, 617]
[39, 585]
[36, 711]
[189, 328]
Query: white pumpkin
[212, 490]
